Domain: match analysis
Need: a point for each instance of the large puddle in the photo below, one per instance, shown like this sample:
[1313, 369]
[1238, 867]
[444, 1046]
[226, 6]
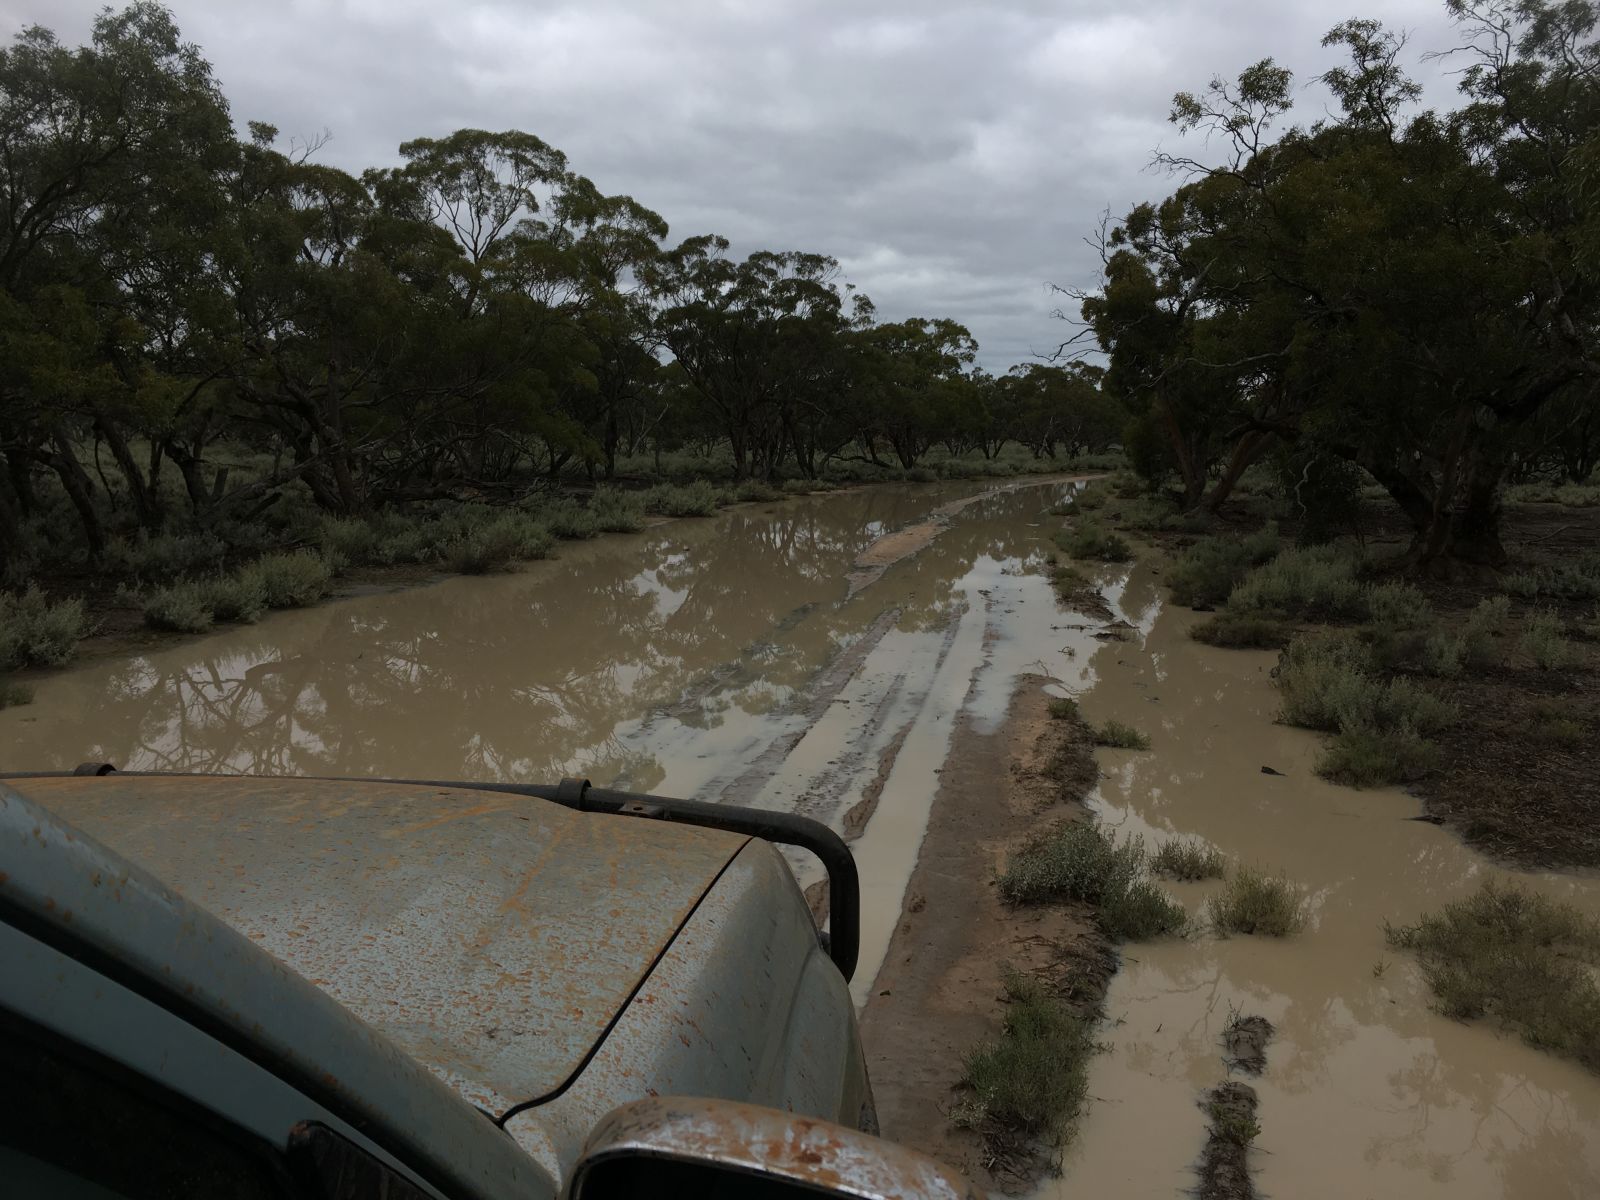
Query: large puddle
[791, 655]
[1367, 1093]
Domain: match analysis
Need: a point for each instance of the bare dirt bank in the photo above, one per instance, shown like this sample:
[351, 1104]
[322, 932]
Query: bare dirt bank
[935, 997]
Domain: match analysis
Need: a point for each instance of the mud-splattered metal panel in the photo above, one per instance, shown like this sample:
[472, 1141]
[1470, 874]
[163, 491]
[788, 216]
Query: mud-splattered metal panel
[744, 1141]
[493, 937]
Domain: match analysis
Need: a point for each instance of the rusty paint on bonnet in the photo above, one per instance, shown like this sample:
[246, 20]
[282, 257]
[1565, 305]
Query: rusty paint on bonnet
[746, 1138]
[474, 932]
[744, 1005]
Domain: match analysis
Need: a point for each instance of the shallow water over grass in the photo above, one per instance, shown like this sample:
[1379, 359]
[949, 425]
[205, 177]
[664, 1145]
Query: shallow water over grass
[1366, 1091]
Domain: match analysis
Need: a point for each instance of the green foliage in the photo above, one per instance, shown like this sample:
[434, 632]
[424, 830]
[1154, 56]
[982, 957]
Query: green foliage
[617, 512]
[1207, 572]
[14, 694]
[1242, 631]
[1577, 580]
[1316, 581]
[1328, 683]
[566, 519]
[1090, 540]
[1398, 606]
[181, 608]
[754, 490]
[1077, 860]
[241, 596]
[293, 580]
[38, 632]
[1447, 653]
[1063, 707]
[350, 538]
[1032, 1080]
[1189, 859]
[1543, 641]
[1252, 901]
[495, 543]
[1514, 957]
[166, 556]
[1568, 495]
[698, 499]
[1120, 736]
[1368, 756]
[1556, 724]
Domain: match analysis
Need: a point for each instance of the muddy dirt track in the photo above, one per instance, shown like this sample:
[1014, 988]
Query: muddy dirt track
[879, 659]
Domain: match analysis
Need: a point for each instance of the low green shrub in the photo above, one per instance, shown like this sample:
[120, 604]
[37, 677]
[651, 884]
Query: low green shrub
[241, 596]
[181, 608]
[1077, 860]
[1252, 901]
[1395, 606]
[36, 631]
[1120, 736]
[1208, 571]
[1543, 641]
[1577, 580]
[14, 694]
[756, 491]
[1242, 631]
[1556, 724]
[1369, 757]
[697, 499]
[293, 580]
[165, 556]
[1090, 540]
[617, 511]
[1568, 495]
[1447, 653]
[1310, 581]
[1518, 959]
[351, 538]
[1063, 707]
[1031, 1081]
[1189, 859]
[1327, 683]
[566, 519]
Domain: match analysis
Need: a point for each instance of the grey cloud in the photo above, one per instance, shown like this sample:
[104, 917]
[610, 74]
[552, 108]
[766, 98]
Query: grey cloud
[951, 154]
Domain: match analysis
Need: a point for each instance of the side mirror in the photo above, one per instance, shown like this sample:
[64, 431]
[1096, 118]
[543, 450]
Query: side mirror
[681, 1146]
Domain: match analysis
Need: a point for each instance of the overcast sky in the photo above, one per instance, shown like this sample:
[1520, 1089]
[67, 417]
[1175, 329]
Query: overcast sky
[951, 155]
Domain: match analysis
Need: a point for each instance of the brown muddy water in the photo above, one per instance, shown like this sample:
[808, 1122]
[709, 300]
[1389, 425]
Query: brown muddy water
[792, 655]
[1366, 1092]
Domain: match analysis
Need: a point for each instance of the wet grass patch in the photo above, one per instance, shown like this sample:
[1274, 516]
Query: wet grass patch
[1239, 631]
[1189, 859]
[1121, 737]
[1224, 1169]
[1515, 958]
[1254, 902]
[1091, 540]
[1078, 860]
[1027, 1085]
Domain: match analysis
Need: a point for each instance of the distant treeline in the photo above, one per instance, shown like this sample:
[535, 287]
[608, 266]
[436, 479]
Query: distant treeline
[1408, 295]
[476, 316]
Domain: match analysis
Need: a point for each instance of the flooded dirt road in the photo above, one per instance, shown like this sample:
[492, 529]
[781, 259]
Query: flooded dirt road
[792, 655]
[1366, 1092]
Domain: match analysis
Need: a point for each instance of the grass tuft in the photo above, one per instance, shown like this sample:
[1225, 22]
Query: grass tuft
[1519, 959]
[1542, 640]
[1093, 541]
[1030, 1082]
[1255, 902]
[1189, 859]
[1077, 860]
[1242, 631]
[1063, 707]
[1120, 736]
